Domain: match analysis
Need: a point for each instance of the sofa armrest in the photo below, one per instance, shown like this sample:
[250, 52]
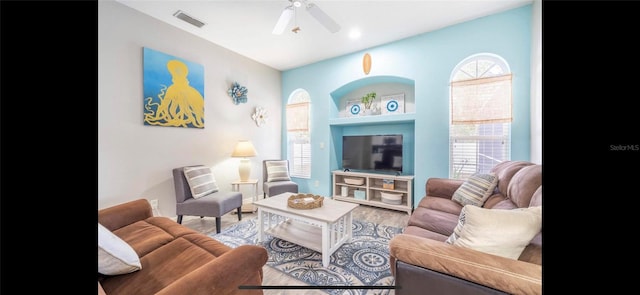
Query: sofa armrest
[442, 187]
[124, 214]
[241, 266]
[505, 274]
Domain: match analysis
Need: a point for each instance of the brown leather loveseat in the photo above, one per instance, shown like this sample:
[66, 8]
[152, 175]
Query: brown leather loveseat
[422, 263]
[176, 259]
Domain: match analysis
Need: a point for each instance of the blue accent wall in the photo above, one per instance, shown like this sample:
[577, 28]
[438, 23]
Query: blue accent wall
[427, 60]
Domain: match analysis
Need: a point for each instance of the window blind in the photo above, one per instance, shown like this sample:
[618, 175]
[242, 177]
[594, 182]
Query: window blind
[301, 160]
[481, 101]
[476, 148]
[298, 116]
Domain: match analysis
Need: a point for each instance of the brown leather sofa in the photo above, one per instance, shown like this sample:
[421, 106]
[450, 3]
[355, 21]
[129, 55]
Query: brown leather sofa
[176, 259]
[422, 263]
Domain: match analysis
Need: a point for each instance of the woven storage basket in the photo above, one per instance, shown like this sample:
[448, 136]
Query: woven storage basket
[295, 201]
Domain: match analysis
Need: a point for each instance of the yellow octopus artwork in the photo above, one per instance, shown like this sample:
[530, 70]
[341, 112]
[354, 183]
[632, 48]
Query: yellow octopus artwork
[179, 104]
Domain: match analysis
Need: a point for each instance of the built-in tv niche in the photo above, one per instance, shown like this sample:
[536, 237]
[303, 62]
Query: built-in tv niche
[398, 158]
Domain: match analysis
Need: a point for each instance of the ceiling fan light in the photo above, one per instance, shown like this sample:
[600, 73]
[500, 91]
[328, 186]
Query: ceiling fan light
[283, 21]
[323, 18]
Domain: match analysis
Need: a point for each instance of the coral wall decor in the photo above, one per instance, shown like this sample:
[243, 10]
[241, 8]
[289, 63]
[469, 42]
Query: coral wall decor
[238, 93]
[366, 63]
[173, 91]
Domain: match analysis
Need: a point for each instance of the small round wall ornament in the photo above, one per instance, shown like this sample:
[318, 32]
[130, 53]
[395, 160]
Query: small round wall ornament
[238, 93]
[392, 106]
[355, 109]
[260, 116]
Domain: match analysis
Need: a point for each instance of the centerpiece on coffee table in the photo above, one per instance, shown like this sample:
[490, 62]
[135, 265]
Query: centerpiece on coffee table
[305, 201]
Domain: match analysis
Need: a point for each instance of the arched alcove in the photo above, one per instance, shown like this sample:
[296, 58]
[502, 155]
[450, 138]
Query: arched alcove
[382, 85]
[341, 123]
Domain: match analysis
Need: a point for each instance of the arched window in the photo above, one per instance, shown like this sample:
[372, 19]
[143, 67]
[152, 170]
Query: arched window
[298, 133]
[480, 125]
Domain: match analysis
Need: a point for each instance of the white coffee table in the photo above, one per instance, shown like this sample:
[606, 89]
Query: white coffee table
[322, 229]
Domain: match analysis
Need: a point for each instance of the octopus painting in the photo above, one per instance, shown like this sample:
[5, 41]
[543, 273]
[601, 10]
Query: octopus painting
[173, 91]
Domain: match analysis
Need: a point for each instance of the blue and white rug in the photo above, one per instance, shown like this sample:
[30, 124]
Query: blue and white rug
[362, 262]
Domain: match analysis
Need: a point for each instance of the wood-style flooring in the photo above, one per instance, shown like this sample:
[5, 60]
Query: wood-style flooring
[273, 277]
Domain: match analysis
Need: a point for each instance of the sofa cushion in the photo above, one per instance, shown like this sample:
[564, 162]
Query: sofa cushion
[423, 233]
[277, 171]
[476, 189]
[174, 260]
[524, 184]
[494, 199]
[150, 234]
[201, 181]
[115, 256]
[505, 204]
[433, 220]
[505, 171]
[441, 204]
[497, 231]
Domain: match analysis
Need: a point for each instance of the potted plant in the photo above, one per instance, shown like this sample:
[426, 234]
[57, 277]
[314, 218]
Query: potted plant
[367, 99]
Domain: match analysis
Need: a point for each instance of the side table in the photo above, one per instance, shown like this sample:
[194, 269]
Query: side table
[247, 204]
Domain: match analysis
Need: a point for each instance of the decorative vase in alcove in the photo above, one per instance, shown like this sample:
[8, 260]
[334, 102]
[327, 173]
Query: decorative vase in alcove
[367, 102]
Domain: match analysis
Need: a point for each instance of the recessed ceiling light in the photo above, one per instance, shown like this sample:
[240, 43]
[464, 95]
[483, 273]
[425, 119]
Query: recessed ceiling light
[354, 34]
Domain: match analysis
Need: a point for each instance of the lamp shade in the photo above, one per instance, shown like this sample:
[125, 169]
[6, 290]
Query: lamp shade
[244, 149]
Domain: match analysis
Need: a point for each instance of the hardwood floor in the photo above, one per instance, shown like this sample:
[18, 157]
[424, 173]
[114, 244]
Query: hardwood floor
[273, 277]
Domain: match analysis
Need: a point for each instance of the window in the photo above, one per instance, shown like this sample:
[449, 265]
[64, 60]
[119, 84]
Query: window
[480, 126]
[298, 134]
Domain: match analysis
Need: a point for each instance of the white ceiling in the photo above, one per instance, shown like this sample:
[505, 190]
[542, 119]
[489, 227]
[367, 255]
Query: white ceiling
[244, 26]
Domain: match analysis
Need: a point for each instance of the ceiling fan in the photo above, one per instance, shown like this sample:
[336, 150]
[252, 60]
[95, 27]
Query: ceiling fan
[313, 9]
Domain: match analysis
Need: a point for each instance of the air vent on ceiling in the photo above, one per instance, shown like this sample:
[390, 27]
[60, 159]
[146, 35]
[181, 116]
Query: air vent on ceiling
[181, 15]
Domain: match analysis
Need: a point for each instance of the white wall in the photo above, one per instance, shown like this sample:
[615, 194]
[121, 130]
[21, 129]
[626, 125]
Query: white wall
[536, 84]
[134, 160]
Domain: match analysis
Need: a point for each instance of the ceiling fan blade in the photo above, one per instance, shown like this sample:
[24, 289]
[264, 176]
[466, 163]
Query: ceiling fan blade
[283, 21]
[323, 18]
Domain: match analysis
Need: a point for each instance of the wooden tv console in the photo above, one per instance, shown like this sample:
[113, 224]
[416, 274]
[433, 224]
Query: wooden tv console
[372, 186]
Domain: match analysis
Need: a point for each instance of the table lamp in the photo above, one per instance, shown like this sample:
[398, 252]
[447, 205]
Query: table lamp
[244, 149]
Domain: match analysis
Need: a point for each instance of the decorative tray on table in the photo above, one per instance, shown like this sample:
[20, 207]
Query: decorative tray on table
[305, 201]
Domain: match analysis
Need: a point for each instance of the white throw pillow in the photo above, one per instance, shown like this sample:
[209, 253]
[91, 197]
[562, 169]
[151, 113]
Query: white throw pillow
[277, 171]
[502, 232]
[201, 181]
[115, 256]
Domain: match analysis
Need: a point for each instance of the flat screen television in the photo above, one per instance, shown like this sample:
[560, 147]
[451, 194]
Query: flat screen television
[376, 153]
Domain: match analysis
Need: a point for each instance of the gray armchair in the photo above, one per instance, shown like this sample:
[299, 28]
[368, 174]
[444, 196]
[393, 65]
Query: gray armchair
[276, 187]
[212, 205]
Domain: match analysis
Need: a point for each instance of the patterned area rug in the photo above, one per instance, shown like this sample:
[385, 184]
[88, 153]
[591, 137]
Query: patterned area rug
[362, 262]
